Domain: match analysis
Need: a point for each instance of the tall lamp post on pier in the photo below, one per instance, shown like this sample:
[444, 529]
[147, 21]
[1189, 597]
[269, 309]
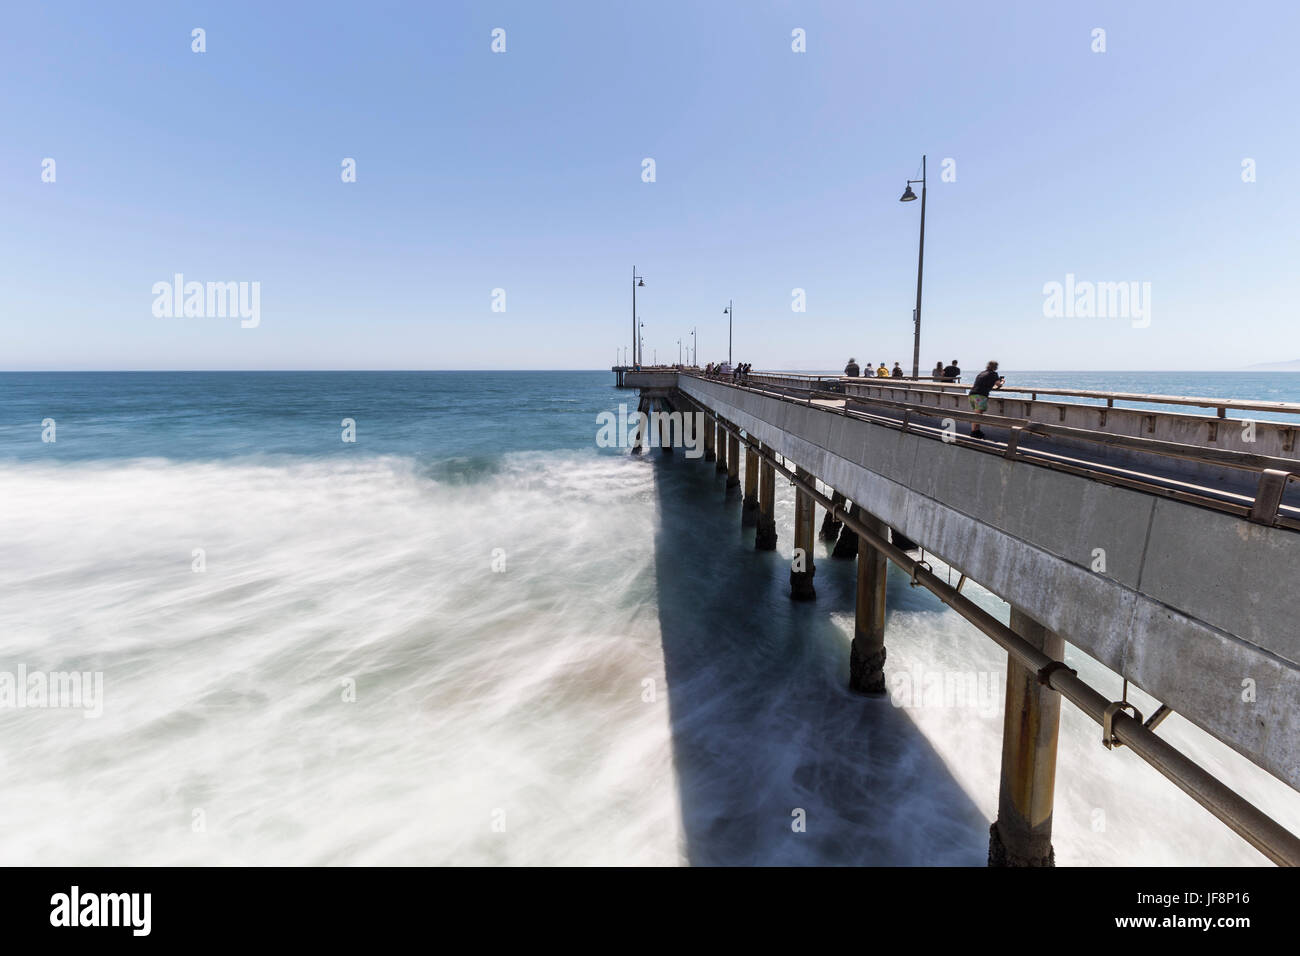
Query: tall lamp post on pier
[909, 196]
[695, 355]
[636, 279]
[679, 351]
[640, 351]
[729, 311]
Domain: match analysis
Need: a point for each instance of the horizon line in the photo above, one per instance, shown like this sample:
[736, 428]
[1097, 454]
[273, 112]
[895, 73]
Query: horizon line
[145, 371]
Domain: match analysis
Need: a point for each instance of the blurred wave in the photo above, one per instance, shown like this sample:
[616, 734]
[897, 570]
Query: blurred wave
[480, 696]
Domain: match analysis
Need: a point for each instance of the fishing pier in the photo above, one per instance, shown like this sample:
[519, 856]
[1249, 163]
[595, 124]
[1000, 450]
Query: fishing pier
[1158, 534]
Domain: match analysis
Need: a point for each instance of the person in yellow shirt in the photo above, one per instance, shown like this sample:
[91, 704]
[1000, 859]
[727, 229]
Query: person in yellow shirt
[883, 371]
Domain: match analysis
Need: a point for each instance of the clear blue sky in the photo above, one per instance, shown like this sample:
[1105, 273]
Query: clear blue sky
[775, 170]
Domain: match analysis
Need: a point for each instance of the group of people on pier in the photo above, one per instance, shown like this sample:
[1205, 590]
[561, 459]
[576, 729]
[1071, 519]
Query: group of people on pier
[737, 373]
[854, 371]
[940, 372]
[985, 382]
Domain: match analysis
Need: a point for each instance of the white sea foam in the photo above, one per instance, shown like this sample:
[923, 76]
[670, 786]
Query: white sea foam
[478, 693]
[484, 696]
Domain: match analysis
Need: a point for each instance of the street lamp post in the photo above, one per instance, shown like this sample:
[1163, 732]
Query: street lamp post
[636, 352]
[679, 351]
[695, 352]
[909, 196]
[730, 313]
[640, 352]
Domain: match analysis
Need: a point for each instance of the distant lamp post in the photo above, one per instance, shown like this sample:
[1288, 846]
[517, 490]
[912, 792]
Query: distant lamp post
[679, 351]
[636, 281]
[695, 354]
[640, 351]
[729, 312]
[909, 196]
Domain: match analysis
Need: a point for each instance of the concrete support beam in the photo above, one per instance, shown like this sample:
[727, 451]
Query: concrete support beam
[709, 453]
[1022, 833]
[721, 444]
[867, 652]
[802, 568]
[733, 461]
[749, 509]
[830, 524]
[765, 538]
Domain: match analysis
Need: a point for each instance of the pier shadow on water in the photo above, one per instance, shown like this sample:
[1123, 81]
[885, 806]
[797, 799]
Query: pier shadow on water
[762, 720]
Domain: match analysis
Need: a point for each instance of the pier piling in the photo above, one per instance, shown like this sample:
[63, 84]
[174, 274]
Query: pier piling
[666, 436]
[642, 406]
[733, 461]
[1022, 833]
[830, 524]
[802, 568]
[765, 538]
[847, 545]
[867, 652]
[749, 508]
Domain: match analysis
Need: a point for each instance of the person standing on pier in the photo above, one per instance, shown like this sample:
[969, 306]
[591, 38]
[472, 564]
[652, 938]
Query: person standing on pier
[852, 370]
[883, 371]
[952, 372]
[985, 382]
[937, 372]
[898, 370]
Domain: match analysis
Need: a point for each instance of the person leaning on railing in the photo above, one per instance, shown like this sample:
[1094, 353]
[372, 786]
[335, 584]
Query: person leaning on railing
[985, 382]
[852, 370]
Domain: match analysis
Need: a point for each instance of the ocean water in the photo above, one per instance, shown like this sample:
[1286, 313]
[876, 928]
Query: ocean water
[472, 636]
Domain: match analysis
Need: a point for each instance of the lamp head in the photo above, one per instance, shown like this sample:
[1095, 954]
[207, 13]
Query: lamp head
[908, 195]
